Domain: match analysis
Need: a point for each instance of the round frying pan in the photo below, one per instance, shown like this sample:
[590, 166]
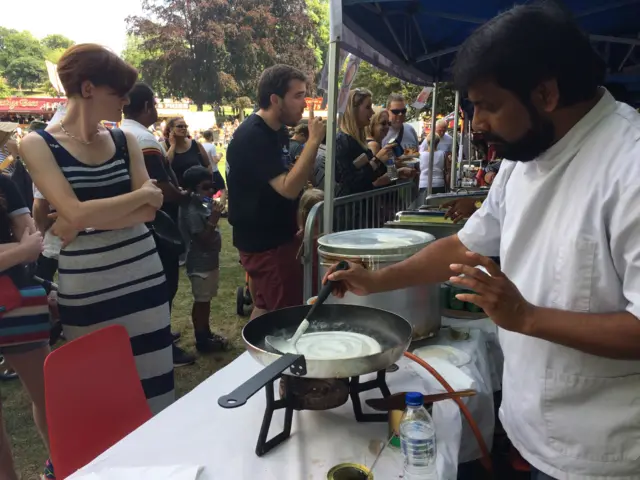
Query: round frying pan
[391, 331]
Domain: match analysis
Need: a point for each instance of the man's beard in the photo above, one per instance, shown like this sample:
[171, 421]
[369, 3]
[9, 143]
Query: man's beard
[537, 140]
[289, 118]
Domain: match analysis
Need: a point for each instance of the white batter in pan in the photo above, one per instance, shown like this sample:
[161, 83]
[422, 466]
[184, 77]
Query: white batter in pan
[336, 345]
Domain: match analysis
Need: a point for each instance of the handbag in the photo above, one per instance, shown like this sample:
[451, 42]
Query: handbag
[24, 314]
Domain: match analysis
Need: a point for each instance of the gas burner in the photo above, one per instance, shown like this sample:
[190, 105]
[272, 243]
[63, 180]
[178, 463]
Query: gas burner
[314, 394]
[299, 393]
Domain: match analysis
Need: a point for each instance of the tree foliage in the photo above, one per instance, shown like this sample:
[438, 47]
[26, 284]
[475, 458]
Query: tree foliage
[25, 72]
[15, 44]
[22, 58]
[215, 50]
[382, 85]
[5, 89]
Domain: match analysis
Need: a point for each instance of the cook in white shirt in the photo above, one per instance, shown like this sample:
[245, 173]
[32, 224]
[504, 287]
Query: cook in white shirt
[564, 217]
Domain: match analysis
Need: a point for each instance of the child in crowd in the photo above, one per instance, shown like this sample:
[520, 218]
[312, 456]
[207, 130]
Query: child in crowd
[309, 198]
[198, 220]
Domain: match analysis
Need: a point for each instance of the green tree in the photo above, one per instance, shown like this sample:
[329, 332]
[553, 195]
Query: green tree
[318, 12]
[25, 72]
[382, 85]
[15, 44]
[56, 41]
[5, 90]
[213, 50]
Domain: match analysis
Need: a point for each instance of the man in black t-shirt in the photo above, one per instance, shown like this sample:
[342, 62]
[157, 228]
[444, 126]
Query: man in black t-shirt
[263, 192]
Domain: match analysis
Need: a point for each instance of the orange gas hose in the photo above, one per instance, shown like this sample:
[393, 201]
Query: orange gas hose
[486, 456]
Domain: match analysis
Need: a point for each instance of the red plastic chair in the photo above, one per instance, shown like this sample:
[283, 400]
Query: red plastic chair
[94, 397]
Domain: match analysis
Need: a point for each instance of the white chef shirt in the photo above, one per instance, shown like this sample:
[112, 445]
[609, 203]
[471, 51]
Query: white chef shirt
[567, 229]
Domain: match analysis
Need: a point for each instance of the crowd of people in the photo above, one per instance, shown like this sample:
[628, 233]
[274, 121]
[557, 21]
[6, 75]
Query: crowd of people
[114, 210]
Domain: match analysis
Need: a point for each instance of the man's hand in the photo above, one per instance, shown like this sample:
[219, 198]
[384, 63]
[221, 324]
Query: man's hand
[460, 209]
[356, 280]
[63, 230]
[317, 130]
[382, 181]
[32, 246]
[495, 293]
[386, 152]
[407, 172]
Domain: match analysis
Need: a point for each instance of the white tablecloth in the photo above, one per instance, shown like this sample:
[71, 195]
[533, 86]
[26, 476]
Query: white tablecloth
[196, 431]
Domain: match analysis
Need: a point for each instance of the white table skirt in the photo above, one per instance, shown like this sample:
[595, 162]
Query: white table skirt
[196, 431]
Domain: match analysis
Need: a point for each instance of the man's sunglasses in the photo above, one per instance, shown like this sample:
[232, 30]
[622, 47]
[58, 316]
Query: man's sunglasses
[182, 126]
[399, 111]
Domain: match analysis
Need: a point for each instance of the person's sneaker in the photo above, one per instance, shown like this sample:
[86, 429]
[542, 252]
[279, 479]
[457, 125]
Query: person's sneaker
[212, 343]
[182, 358]
[48, 474]
[175, 336]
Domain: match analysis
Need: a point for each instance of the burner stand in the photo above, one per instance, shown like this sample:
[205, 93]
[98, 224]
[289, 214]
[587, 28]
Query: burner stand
[287, 403]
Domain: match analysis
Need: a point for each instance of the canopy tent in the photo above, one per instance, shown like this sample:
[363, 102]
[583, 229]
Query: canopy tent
[416, 41]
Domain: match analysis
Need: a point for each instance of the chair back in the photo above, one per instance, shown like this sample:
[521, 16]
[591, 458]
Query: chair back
[94, 397]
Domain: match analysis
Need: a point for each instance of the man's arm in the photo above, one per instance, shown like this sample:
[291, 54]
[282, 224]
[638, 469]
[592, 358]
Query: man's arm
[611, 335]
[291, 183]
[154, 161]
[429, 265]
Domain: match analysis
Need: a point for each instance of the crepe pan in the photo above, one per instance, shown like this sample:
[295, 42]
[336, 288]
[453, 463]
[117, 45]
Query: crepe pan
[391, 331]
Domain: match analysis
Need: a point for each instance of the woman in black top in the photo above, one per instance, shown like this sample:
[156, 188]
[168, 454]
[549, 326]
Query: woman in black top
[357, 169]
[182, 151]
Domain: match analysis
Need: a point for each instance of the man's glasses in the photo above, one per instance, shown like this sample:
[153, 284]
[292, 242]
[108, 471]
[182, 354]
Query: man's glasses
[399, 111]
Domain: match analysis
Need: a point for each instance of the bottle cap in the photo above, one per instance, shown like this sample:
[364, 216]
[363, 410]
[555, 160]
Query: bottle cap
[414, 399]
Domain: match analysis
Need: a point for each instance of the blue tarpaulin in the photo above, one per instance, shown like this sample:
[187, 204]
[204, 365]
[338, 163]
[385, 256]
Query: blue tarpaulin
[418, 39]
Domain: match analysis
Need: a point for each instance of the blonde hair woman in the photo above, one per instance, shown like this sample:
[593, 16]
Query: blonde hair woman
[378, 129]
[357, 168]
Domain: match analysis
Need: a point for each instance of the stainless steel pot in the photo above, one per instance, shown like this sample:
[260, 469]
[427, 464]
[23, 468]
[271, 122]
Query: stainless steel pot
[377, 248]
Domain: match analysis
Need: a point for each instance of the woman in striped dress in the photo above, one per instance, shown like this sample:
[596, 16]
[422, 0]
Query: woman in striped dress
[109, 270]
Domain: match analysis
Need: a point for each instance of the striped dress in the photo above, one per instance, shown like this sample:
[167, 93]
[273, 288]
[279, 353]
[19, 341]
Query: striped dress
[115, 277]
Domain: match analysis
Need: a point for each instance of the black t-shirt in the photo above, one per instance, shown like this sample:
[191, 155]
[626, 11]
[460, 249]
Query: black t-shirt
[261, 218]
[15, 205]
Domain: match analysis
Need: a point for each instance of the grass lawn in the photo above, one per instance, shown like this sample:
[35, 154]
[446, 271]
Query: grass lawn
[28, 450]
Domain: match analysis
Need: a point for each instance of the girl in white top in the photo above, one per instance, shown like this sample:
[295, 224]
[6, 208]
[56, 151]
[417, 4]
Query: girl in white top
[438, 184]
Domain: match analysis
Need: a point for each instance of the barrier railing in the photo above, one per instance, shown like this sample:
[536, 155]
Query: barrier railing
[351, 212]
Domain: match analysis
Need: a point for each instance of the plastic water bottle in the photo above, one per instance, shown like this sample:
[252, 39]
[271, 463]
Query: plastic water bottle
[418, 440]
[392, 171]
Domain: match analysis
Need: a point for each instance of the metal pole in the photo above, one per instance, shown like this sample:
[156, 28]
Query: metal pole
[469, 144]
[329, 165]
[454, 148]
[434, 99]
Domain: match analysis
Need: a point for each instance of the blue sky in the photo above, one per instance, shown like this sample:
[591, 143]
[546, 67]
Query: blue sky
[80, 20]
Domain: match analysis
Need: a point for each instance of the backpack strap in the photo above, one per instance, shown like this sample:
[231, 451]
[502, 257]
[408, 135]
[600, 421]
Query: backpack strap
[122, 148]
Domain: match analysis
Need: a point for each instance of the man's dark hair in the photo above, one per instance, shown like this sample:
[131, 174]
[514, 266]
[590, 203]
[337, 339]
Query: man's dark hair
[139, 95]
[208, 135]
[194, 176]
[527, 45]
[395, 97]
[275, 80]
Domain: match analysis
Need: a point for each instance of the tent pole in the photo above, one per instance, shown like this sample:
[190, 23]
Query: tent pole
[454, 148]
[329, 165]
[434, 99]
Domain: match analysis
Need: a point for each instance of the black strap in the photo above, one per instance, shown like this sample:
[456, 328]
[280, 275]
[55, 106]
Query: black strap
[400, 135]
[122, 149]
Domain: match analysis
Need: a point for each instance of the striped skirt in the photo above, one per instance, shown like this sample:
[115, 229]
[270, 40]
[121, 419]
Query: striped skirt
[116, 278]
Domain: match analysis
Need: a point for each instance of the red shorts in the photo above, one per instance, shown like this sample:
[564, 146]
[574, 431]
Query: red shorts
[276, 275]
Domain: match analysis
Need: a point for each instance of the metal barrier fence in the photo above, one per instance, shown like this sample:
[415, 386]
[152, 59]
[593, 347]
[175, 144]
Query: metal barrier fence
[352, 212]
